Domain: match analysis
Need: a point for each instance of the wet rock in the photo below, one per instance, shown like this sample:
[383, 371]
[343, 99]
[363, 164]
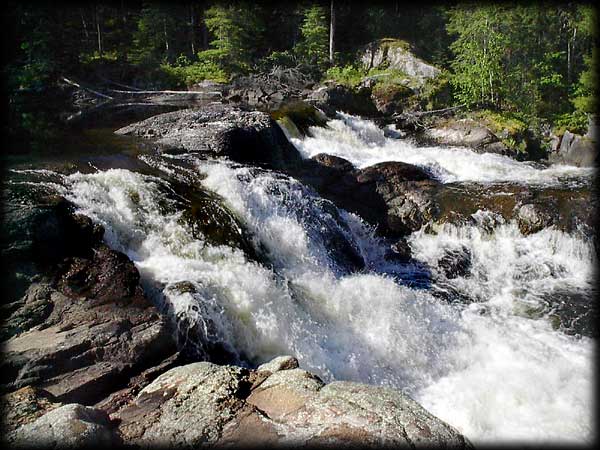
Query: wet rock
[69, 426]
[332, 97]
[85, 327]
[83, 351]
[533, 218]
[456, 262]
[302, 115]
[336, 163]
[399, 251]
[396, 196]
[107, 276]
[226, 405]
[244, 136]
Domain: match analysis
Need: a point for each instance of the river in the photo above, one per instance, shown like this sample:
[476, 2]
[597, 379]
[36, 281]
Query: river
[487, 357]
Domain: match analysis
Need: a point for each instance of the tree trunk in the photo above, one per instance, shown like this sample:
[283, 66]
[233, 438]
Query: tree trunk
[192, 30]
[98, 30]
[331, 32]
[166, 36]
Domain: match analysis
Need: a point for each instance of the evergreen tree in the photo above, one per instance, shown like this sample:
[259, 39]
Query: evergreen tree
[313, 49]
[237, 35]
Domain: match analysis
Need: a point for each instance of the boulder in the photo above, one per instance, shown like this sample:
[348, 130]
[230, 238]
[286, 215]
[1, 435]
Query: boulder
[333, 97]
[455, 262]
[203, 403]
[69, 426]
[396, 54]
[464, 133]
[395, 196]
[533, 218]
[576, 150]
[221, 130]
[26, 405]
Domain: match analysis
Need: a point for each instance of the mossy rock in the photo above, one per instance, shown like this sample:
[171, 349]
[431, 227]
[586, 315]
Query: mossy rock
[303, 115]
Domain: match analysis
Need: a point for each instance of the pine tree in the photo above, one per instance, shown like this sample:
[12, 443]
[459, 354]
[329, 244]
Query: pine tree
[313, 49]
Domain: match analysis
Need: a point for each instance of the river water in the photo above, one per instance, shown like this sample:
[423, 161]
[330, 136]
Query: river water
[488, 357]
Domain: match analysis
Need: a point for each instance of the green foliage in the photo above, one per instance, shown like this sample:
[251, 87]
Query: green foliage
[313, 49]
[501, 123]
[183, 76]
[505, 57]
[478, 50]
[586, 93]
[236, 30]
[576, 122]
[436, 92]
[283, 59]
[151, 39]
[349, 75]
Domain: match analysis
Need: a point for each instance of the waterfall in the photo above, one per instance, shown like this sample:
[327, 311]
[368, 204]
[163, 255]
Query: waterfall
[481, 348]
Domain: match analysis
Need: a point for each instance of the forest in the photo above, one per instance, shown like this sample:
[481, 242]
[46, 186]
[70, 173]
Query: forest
[528, 62]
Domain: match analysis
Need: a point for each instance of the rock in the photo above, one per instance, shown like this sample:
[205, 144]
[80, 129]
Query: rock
[466, 133]
[243, 136]
[268, 91]
[203, 403]
[335, 163]
[84, 328]
[69, 426]
[84, 351]
[279, 363]
[107, 276]
[456, 262]
[26, 405]
[399, 251]
[302, 116]
[392, 98]
[396, 54]
[331, 98]
[532, 218]
[575, 150]
[393, 195]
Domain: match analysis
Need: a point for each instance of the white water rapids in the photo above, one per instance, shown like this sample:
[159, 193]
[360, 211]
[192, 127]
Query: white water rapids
[494, 373]
[363, 143]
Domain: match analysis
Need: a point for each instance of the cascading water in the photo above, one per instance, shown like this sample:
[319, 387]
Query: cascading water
[493, 364]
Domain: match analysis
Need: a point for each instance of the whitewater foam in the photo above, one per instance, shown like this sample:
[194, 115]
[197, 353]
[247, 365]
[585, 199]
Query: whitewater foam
[363, 143]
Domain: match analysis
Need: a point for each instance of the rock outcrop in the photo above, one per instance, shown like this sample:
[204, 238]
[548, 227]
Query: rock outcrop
[464, 132]
[243, 136]
[85, 327]
[276, 405]
[576, 150]
[400, 198]
[396, 54]
[393, 195]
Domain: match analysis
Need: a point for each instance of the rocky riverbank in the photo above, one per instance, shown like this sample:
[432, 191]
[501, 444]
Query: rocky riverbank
[89, 359]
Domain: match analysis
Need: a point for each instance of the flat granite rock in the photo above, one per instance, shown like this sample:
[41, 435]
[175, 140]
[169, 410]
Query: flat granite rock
[204, 404]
